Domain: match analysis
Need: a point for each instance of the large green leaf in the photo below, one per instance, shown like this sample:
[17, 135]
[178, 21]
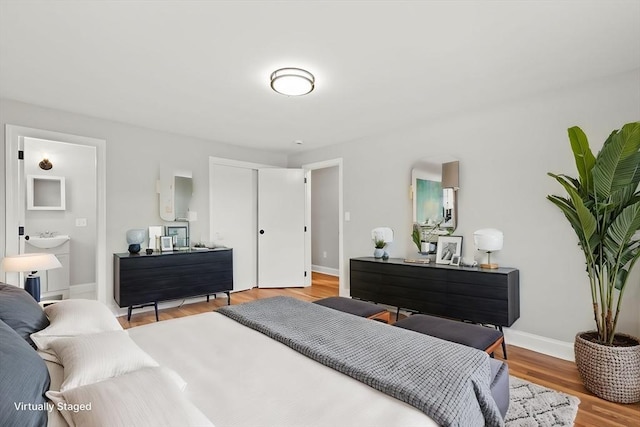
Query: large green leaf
[586, 219]
[624, 226]
[618, 163]
[583, 156]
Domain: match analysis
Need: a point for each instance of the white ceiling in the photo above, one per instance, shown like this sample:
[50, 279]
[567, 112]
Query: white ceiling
[201, 68]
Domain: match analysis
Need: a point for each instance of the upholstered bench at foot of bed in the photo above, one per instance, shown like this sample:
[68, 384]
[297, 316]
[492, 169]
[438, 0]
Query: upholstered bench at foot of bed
[476, 336]
[356, 307]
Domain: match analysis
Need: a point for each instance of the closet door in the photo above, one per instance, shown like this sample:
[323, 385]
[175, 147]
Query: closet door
[281, 228]
[234, 219]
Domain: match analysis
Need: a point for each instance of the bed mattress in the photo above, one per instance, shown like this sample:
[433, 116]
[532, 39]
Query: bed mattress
[240, 377]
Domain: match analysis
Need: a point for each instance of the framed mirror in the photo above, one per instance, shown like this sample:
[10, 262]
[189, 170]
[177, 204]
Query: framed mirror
[434, 183]
[175, 191]
[46, 193]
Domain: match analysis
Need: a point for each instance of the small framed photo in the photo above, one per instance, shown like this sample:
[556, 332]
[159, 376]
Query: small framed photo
[455, 260]
[448, 247]
[179, 234]
[166, 243]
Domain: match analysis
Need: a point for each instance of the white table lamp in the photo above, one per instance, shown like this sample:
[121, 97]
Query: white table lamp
[31, 263]
[488, 240]
[382, 233]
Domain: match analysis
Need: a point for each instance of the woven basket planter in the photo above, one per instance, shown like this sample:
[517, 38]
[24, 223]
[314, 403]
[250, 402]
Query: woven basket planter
[612, 373]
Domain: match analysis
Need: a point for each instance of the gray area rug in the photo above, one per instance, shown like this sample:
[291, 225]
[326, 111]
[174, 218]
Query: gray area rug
[532, 405]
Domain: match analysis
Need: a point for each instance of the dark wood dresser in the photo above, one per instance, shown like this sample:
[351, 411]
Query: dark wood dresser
[465, 293]
[140, 280]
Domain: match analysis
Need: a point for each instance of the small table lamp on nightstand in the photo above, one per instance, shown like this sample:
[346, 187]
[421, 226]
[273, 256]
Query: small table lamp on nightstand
[31, 263]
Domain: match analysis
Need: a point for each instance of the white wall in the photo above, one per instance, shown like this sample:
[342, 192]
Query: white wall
[505, 153]
[133, 156]
[324, 218]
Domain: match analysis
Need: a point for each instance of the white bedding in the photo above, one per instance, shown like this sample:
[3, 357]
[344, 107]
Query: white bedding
[240, 377]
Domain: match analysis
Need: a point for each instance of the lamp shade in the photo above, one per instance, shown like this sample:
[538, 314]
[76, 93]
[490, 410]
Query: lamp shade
[488, 239]
[382, 233]
[30, 262]
[136, 236]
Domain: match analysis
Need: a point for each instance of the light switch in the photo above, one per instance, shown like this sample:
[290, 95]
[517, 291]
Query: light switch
[347, 216]
[81, 222]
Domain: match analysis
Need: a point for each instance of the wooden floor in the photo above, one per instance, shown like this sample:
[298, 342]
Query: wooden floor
[538, 368]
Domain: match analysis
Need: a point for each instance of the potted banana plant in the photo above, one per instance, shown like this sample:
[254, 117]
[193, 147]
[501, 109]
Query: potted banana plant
[603, 208]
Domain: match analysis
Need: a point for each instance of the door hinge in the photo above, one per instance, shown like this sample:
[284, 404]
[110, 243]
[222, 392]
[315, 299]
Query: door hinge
[305, 228]
[20, 230]
[20, 154]
[305, 274]
[305, 179]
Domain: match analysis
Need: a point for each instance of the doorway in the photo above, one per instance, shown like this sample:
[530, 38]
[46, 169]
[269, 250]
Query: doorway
[86, 224]
[325, 213]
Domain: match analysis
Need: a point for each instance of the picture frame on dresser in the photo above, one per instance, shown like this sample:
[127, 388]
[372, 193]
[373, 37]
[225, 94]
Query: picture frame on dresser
[166, 243]
[448, 247]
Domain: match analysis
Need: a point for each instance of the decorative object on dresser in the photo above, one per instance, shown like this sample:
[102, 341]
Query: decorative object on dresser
[488, 240]
[135, 237]
[381, 236]
[448, 247]
[144, 280]
[166, 243]
[465, 293]
[31, 263]
[603, 208]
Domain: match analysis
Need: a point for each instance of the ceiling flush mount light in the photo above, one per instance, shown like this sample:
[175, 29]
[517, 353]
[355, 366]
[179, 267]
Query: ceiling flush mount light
[292, 81]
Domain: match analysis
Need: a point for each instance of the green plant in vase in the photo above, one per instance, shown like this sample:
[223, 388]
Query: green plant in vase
[379, 251]
[603, 208]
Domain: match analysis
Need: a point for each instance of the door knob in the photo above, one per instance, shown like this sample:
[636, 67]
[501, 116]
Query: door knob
[261, 231]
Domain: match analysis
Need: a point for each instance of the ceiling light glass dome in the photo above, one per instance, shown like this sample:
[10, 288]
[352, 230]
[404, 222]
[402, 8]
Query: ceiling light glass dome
[292, 81]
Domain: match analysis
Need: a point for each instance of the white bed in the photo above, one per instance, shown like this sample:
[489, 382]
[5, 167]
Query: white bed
[239, 377]
[228, 374]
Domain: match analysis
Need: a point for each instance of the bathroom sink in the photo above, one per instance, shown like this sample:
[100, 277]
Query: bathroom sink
[48, 242]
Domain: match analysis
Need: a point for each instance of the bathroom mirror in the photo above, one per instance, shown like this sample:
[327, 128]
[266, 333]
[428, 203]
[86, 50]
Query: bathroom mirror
[46, 193]
[434, 184]
[176, 188]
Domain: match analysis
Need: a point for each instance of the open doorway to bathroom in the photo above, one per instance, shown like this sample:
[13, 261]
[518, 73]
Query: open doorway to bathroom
[71, 225]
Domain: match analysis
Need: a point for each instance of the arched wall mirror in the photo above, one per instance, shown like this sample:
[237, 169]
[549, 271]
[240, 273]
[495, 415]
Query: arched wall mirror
[434, 185]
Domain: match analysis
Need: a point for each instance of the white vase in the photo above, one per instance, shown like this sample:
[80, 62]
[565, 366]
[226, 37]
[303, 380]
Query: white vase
[378, 253]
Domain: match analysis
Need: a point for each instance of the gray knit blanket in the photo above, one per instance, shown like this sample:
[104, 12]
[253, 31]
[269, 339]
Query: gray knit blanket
[448, 382]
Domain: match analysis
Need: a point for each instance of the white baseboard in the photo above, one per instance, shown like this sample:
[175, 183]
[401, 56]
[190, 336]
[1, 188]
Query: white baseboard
[325, 270]
[540, 344]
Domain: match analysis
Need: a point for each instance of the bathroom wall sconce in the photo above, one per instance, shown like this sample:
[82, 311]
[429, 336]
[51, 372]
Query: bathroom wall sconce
[45, 164]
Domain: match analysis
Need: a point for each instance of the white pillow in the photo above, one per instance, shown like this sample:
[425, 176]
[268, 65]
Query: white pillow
[72, 317]
[91, 358]
[147, 397]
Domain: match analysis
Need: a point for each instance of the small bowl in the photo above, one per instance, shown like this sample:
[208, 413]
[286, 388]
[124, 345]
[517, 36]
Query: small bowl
[149, 251]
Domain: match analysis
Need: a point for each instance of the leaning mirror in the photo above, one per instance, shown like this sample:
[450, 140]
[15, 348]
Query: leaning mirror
[434, 184]
[176, 188]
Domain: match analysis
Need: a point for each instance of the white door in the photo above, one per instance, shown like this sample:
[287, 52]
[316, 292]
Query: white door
[234, 219]
[281, 228]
